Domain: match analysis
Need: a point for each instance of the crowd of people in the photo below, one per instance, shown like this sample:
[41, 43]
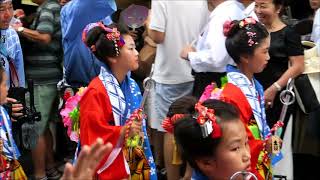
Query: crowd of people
[212, 109]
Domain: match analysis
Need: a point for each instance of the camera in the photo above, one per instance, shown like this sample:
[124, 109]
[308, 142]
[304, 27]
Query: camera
[30, 114]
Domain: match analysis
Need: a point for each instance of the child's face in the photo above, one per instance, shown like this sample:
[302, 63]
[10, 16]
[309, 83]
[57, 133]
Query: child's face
[259, 60]
[128, 58]
[3, 89]
[233, 153]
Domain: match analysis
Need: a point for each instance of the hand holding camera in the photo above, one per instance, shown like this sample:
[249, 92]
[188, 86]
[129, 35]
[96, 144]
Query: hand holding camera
[16, 109]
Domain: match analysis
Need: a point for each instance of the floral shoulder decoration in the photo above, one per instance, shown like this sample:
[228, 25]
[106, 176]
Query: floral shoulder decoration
[211, 92]
[70, 113]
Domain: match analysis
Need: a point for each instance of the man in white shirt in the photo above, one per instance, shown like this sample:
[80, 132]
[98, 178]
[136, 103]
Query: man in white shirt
[173, 24]
[209, 57]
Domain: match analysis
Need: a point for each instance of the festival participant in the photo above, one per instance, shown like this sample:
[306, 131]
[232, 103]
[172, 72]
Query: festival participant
[9, 152]
[247, 42]
[109, 100]
[211, 136]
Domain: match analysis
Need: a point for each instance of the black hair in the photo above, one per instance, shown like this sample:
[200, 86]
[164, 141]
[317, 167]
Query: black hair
[187, 131]
[2, 71]
[104, 47]
[183, 105]
[281, 4]
[237, 42]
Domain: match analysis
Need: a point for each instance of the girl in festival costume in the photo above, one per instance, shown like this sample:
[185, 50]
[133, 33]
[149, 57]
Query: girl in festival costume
[110, 99]
[248, 43]
[10, 168]
[211, 136]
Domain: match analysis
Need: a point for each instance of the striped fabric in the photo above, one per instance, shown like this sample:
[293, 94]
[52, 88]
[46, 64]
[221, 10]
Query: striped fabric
[10, 150]
[116, 96]
[43, 61]
[254, 94]
[10, 46]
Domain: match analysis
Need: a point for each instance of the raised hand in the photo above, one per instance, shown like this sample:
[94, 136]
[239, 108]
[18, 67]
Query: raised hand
[88, 160]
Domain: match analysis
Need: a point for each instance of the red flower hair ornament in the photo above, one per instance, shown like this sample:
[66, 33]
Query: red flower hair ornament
[227, 26]
[168, 122]
[205, 117]
[208, 122]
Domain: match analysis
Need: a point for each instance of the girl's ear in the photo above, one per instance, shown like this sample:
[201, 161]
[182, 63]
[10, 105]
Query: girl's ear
[111, 60]
[207, 165]
[244, 58]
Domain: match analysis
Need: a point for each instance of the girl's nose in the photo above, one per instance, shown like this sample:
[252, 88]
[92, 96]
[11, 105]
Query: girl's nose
[246, 155]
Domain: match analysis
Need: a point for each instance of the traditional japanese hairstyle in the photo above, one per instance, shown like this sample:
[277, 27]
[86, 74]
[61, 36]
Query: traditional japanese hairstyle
[104, 41]
[178, 110]
[189, 133]
[243, 37]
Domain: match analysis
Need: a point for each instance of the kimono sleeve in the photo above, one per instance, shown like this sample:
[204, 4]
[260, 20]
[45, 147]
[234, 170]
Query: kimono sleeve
[95, 115]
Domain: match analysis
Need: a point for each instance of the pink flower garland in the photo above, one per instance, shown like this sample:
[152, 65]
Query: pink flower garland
[70, 115]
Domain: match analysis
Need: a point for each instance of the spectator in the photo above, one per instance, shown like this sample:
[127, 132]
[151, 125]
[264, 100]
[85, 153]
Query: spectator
[43, 60]
[81, 66]
[315, 35]
[209, 57]
[172, 25]
[285, 48]
[11, 52]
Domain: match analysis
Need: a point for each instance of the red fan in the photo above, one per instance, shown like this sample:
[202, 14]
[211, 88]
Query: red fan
[134, 16]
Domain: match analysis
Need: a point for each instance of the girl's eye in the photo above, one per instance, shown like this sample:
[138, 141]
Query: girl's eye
[236, 149]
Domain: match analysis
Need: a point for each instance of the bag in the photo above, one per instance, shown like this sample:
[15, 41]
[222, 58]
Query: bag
[146, 58]
[137, 161]
[14, 78]
[307, 84]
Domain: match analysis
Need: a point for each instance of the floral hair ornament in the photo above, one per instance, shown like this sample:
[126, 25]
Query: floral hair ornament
[114, 35]
[168, 122]
[227, 26]
[111, 34]
[246, 21]
[208, 122]
[251, 35]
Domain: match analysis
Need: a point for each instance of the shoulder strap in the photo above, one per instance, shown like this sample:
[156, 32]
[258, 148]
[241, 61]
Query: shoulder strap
[14, 78]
